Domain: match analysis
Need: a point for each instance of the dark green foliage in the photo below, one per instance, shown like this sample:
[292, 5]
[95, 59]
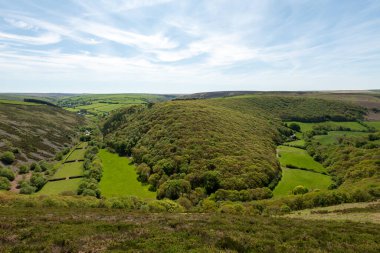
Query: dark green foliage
[23, 169]
[37, 180]
[173, 189]
[8, 173]
[300, 189]
[26, 188]
[4, 183]
[295, 127]
[7, 157]
[89, 187]
[243, 195]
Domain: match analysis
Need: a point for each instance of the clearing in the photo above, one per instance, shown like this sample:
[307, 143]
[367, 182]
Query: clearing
[57, 187]
[69, 170]
[294, 177]
[299, 158]
[120, 178]
[77, 154]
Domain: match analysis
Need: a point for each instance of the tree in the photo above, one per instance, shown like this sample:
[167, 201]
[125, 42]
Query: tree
[26, 188]
[173, 189]
[4, 183]
[295, 127]
[7, 157]
[37, 180]
[23, 169]
[211, 181]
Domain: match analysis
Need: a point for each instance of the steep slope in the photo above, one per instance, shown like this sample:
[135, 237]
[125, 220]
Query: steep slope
[35, 131]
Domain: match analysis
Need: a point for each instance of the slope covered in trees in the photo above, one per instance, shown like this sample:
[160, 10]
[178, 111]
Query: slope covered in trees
[184, 148]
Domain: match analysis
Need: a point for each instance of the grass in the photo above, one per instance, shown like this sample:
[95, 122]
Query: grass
[297, 143]
[120, 178]
[299, 158]
[57, 187]
[16, 102]
[375, 124]
[98, 230]
[354, 126]
[294, 177]
[332, 137]
[69, 170]
[77, 154]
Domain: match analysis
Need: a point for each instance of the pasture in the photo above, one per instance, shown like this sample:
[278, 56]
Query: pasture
[69, 170]
[333, 136]
[120, 178]
[77, 154]
[16, 102]
[290, 156]
[354, 126]
[294, 177]
[57, 187]
[374, 124]
[296, 144]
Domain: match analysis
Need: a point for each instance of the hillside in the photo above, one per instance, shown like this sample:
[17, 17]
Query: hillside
[227, 143]
[36, 131]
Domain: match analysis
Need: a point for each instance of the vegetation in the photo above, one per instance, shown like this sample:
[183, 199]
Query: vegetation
[120, 177]
[4, 183]
[59, 187]
[7, 157]
[293, 177]
[69, 170]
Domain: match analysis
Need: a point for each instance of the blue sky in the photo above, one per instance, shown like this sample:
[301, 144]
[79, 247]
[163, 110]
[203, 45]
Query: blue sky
[184, 46]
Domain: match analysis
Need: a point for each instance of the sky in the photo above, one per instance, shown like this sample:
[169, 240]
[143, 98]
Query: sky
[186, 46]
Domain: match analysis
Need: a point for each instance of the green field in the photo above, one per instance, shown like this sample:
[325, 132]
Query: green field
[374, 124]
[297, 143]
[69, 170]
[332, 137]
[77, 154]
[120, 178]
[294, 177]
[354, 126]
[299, 158]
[57, 187]
[16, 102]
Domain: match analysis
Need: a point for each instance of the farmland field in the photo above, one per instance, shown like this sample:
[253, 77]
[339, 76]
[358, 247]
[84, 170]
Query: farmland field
[354, 126]
[16, 102]
[297, 143]
[374, 124]
[77, 154]
[294, 177]
[69, 170]
[299, 158]
[332, 137]
[57, 187]
[120, 178]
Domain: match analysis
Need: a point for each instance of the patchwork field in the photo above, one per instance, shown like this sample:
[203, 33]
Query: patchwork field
[77, 154]
[69, 170]
[294, 177]
[297, 143]
[57, 187]
[374, 124]
[290, 156]
[333, 136]
[16, 102]
[120, 178]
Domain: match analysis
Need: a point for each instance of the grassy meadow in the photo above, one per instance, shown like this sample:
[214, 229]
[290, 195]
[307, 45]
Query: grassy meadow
[374, 124]
[58, 187]
[294, 177]
[290, 156]
[333, 136]
[354, 126]
[77, 154]
[120, 178]
[69, 170]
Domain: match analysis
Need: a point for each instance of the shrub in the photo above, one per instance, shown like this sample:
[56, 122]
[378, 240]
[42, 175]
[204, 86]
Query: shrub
[173, 189]
[23, 169]
[300, 189]
[7, 157]
[37, 180]
[4, 183]
[26, 188]
[8, 173]
[295, 127]
[285, 208]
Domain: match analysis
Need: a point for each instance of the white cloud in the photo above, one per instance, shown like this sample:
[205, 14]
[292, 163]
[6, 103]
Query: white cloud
[20, 24]
[44, 39]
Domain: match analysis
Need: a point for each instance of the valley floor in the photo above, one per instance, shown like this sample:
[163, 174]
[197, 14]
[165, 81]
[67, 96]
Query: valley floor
[99, 230]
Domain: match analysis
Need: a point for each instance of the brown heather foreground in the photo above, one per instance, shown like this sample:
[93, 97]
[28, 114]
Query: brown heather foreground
[47, 227]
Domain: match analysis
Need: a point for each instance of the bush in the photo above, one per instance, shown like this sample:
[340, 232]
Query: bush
[285, 209]
[300, 189]
[7, 157]
[23, 169]
[26, 188]
[37, 180]
[295, 127]
[8, 173]
[4, 183]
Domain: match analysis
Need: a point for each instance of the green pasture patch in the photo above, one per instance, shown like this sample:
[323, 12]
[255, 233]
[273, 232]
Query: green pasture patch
[354, 126]
[294, 177]
[82, 145]
[374, 124]
[16, 102]
[57, 187]
[299, 158]
[120, 178]
[297, 143]
[333, 136]
[69, 170]
[77, 154]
